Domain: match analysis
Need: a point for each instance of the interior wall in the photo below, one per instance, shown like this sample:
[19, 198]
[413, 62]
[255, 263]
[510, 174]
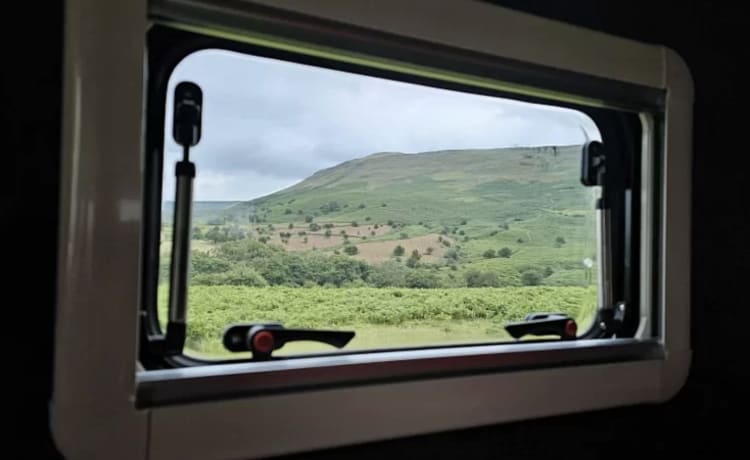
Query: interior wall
[701, 419]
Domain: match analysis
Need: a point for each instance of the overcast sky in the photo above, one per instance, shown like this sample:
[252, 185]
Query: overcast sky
[268, 124]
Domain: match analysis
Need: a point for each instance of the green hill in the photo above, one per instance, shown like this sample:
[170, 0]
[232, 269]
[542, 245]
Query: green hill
[441, 187]
[528, 200]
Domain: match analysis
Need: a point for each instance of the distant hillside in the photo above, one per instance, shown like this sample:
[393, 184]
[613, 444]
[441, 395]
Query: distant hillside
[520, 214]
[202, 210]
[441, 187]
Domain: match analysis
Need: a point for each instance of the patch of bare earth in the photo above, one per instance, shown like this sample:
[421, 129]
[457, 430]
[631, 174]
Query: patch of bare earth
[381, 251]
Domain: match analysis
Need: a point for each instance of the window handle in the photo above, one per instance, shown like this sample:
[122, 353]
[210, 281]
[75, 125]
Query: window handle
[544, 324]
[263, 339]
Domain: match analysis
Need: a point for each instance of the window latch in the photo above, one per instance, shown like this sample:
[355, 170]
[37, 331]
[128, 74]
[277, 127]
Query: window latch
[263, 338]
[558, 324]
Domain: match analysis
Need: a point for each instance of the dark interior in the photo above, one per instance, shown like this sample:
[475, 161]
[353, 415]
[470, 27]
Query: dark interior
[706, 417]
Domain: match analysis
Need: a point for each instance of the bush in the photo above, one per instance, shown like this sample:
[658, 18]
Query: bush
[531, 278]
[422, 279]
[308, 219]
[328, 233]
[288, 211]
[201, 263]
[331, 206]
[463, 222]
[398, 251]
[314, 227]
[413, 260]
[475, 278]
[351, 250]
[489, 254]
[451, 254]
[504, 252]
[355, 224]
[404, 236]
[388, 274]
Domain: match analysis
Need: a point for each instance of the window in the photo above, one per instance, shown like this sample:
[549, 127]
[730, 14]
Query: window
[411, 215]
[468, 167]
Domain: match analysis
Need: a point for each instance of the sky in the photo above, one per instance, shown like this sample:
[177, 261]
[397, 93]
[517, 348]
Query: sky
[268, 124]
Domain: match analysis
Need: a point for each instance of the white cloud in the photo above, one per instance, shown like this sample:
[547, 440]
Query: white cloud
[268, 124]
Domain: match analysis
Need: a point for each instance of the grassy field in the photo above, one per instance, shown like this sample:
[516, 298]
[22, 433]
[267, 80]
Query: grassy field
[385, 317]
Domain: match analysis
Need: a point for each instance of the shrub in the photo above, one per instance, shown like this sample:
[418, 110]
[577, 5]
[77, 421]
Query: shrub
[398, 251]
[351, 250]
[475, 278]
[531, 278]
[422, 279]
[504, 252]
[489, 254]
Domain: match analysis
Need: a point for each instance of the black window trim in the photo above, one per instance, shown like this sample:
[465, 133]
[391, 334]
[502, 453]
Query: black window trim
[169, 45]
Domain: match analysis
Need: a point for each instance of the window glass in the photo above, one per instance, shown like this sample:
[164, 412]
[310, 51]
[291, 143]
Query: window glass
[409, 214]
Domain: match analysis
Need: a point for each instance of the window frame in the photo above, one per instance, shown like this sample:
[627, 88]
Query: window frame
[170, 45]
[101, 226]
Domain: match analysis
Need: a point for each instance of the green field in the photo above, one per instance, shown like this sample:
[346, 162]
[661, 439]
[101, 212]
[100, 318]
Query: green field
[385, 317]
[406, 249]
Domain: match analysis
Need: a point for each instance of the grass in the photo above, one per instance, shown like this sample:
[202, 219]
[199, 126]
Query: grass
[385, 317]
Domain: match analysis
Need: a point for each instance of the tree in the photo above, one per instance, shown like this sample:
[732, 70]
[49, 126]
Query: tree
[398, 251]
[559, 241]
[463, 222]
[367, 219]
[197, 233]
[314, 227]
[288, 211]
[351, 249]
[429, 251]
[489, 254]
[355, 224]
[504, 252]
[413, 259]
[308, 219]
[362, 206]
[331, 206]
[404, 236]
[328, 233]
[291, 225]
